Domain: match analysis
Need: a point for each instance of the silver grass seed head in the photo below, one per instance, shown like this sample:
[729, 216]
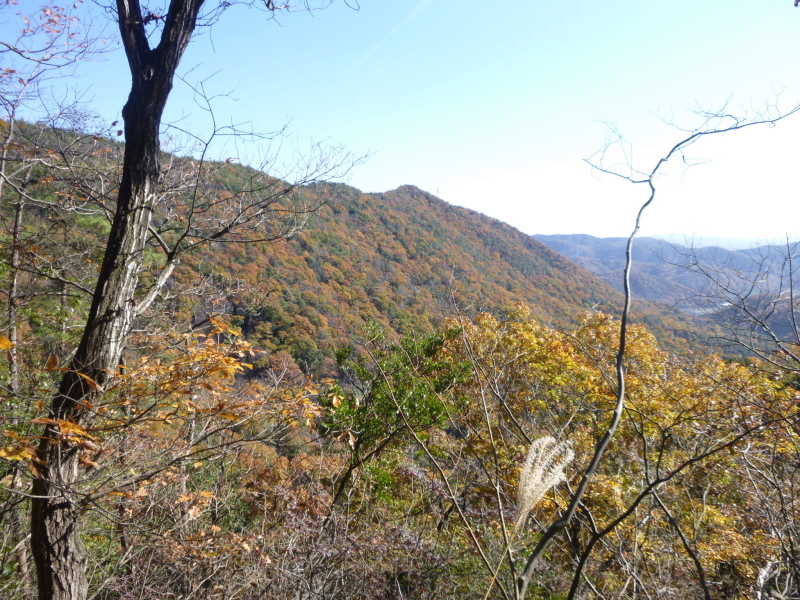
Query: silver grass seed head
[544, 468]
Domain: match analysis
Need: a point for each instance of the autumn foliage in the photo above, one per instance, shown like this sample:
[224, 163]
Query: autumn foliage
[269, 430]
[394, 403]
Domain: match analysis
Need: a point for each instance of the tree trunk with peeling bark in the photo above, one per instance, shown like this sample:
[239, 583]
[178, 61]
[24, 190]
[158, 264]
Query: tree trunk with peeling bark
[57, 548]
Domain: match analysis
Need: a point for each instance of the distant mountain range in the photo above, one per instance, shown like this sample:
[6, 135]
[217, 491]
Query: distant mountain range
[729, 243]
[666, 272]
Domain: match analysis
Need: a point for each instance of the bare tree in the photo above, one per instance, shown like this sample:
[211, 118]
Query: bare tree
[714, 123]
[750, 300]
[143, 212]
[50, 43]
[751, 297]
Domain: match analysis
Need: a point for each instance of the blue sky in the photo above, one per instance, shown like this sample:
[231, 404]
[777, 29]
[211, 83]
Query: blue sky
[493, 107]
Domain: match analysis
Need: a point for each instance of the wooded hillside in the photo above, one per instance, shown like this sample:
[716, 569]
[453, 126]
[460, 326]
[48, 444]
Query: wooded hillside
[406, 260]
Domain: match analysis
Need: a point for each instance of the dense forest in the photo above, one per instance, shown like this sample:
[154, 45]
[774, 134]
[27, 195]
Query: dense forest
[405, 260]
[223, 384]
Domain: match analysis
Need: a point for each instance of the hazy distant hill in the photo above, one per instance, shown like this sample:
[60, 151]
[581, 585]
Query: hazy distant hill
[405, 259]
[659, 271]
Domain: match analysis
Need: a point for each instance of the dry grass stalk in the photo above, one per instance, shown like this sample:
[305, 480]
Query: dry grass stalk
[543, 469]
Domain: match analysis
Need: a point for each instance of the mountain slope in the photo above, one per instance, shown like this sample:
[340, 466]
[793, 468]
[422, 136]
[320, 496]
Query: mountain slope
[404, 259]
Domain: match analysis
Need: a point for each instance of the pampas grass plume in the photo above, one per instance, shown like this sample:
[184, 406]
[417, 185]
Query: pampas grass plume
[543, 468]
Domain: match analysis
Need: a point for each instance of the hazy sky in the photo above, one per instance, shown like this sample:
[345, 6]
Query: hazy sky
[494, 106]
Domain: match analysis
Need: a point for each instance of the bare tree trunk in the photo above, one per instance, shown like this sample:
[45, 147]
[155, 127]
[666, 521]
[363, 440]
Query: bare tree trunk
[16, 516]
[14, 259]
[57, 548]
[13, 298]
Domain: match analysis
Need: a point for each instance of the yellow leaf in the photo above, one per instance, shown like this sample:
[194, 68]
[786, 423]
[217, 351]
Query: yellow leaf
[5, 343]
[207, 494]
[18, 452]
[70, 428]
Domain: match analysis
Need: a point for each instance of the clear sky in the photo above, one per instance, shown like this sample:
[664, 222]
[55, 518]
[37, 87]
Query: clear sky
[494, 106]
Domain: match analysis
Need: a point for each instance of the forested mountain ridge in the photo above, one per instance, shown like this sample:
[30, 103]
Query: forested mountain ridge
[405, 259]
